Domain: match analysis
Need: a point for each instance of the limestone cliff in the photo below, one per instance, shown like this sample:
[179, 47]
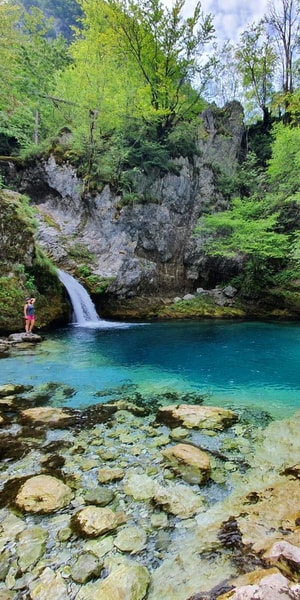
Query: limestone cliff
[24, 269]
[142, 248]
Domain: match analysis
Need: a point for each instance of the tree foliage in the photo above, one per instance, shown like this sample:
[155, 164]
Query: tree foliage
[65, 14]
[256, 58]
[247, 231]
[28, 62]
[283, 19]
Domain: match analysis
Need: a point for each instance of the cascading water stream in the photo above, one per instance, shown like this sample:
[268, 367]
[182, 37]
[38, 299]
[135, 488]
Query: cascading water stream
[84, 312]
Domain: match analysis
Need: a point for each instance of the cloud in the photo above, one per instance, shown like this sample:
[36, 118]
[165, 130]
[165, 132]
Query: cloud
[230, 17]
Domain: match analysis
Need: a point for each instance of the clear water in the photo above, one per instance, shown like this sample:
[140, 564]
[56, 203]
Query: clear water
[237, 364]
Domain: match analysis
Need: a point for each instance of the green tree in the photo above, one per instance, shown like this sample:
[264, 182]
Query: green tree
[248, 231]
[225, 83]
[161, 50]
[283, 19]
[256, 62]
[33, 60]
[284, 166]
[65, 14]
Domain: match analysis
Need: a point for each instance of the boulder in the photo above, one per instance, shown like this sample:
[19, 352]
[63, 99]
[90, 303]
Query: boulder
[263, 585]
[19, 338]
[198, 417]
[48, 585]
[286, 556]
[93, 521]
[127, 582]
[43, 494]
[45, 414]
[10, 389]
[86, 567]
[131, 539]
[140, 487]
[191, 463]
[4, 348]
[107, 474]
[178, 500]
[99, 496]
[31, 545]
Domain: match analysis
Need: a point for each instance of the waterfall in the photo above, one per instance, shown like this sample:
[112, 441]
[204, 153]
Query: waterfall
[85, 314]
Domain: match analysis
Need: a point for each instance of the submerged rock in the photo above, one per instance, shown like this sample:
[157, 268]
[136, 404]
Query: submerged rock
[107, 474]
[191, 463]
[178, 500]
[99, 496]
[86, 567]
[11, 389]
[131, 539]
[31, 545]
[94, 521]
[198, 417]
[48, 585]
[46, 414]
[43, 494]
[286, 556]
[127, 582]
[5, 347]
[140, 487]
[264, 586]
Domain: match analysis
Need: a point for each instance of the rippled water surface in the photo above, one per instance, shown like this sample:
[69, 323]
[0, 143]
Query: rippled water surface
[235, 363]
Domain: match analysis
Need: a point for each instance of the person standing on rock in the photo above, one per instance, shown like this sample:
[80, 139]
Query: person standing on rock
[29, 314]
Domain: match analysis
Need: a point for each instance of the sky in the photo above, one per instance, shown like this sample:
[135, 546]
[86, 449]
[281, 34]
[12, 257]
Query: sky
[231, 17]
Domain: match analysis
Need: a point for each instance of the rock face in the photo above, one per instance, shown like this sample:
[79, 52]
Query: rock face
[149, 247]
[23, 266]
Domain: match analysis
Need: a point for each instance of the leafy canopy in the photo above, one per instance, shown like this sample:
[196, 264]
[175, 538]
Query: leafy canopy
[246, 229]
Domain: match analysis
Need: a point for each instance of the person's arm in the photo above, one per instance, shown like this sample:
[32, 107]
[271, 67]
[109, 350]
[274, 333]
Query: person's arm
[25, 305]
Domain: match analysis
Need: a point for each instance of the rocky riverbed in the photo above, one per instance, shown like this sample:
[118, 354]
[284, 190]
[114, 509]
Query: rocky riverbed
[149, 499]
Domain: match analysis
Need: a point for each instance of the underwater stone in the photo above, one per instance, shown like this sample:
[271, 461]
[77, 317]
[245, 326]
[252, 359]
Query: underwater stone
[178, 433]
[31, 545]
[178, 500]
[159, 520]
[46, 414]
[94, 521]
[270, 586]
[99, 496]
[140, 487]
[127, 582]
[131, 539]
[198, 417]
[285, 555]
[86, 567]
[191, 463]
[110, 474]
[43, 494]
[12, 389]
[4, 564]
[49, 585]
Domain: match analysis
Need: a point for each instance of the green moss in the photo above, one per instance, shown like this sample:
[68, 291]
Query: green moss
[198, 307]
[50, 221]
[80, 251]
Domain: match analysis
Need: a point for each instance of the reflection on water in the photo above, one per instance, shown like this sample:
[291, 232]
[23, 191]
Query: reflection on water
[233, 363]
